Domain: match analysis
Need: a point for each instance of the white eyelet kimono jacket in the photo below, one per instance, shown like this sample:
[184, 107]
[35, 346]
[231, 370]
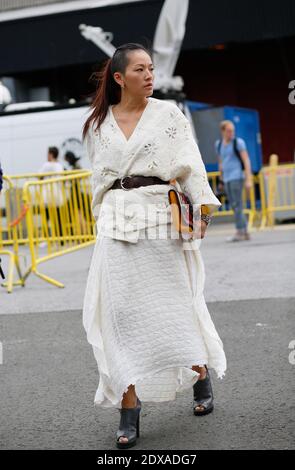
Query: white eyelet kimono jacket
[144, 311]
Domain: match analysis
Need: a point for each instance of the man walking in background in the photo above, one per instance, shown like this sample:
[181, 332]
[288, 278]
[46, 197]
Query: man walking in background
[233, 160]
[52, 166]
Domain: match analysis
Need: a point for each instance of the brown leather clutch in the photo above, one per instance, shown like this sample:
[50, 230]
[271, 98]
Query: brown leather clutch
[181, 211]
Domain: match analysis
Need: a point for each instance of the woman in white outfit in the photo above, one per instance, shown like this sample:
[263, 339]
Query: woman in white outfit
[144, 310]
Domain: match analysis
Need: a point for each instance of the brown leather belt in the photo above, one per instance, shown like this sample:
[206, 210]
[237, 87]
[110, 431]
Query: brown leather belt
[129, 182]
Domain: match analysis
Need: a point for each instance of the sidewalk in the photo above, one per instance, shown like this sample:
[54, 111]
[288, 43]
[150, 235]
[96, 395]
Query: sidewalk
[49, 374]
[260, 268]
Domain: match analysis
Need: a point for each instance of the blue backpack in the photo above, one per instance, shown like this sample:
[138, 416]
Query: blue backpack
[235, 146]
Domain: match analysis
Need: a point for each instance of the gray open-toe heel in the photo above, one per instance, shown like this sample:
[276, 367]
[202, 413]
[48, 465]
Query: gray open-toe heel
[129, 426]
[203, 395]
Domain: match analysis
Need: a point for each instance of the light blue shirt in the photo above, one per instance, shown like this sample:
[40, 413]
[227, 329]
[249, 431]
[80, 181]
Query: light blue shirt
[231, 165]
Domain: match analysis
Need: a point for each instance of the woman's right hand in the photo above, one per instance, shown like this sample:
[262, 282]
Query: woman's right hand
[200, 230]
[203, 228]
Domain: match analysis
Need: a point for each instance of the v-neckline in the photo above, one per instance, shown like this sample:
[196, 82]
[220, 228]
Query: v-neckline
[135, 128]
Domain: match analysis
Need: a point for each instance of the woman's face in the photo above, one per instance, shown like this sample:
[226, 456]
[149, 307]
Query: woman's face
[139, 76]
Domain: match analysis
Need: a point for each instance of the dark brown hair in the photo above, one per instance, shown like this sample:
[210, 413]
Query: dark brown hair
[108, 90]
[53, 151]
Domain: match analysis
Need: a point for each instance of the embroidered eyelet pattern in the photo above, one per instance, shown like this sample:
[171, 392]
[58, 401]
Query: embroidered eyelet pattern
[204, 177]
[153, 164]
[150, 149]
[108, 171]
[171, 132]
[187, 131]
[172, 114]
[104, 142]
[173, 161]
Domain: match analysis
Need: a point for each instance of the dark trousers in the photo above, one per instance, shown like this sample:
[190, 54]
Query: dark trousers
[55, 213]
[234, 189]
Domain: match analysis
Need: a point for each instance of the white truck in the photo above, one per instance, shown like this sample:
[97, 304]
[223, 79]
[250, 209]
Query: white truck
[25, 136]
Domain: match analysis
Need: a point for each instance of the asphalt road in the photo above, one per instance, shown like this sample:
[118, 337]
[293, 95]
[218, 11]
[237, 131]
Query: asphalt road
[49, 377]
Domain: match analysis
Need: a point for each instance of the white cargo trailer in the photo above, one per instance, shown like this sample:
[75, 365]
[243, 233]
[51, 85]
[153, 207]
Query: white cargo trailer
[26, 135]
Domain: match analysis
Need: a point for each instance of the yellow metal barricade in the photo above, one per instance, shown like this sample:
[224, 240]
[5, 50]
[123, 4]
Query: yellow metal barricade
[8, 233]
[59, 218]
[51, 213]
[249, 202]
[277, 183]
[16, 195]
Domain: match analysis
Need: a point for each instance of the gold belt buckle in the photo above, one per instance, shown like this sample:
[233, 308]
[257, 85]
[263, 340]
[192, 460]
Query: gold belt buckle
[122, 185]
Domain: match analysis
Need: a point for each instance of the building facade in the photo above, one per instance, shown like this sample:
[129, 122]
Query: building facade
[234, 53]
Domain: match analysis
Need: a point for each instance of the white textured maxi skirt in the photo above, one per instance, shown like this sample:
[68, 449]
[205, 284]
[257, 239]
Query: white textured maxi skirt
[146, 318]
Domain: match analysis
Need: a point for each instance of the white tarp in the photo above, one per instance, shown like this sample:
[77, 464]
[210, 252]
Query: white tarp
[16, 9]
[167, 42]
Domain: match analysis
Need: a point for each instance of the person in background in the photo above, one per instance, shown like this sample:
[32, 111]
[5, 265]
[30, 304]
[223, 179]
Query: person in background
[52, 165]
[233, 161]
[72, 160]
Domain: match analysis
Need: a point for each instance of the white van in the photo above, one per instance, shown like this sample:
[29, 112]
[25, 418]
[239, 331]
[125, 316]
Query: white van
[26, 132]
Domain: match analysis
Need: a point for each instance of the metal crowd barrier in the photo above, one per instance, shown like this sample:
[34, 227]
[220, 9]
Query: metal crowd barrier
[58, 218]
[53, 212]
[249, 202]
[9, 243]
[278, 189]
[16, 195]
